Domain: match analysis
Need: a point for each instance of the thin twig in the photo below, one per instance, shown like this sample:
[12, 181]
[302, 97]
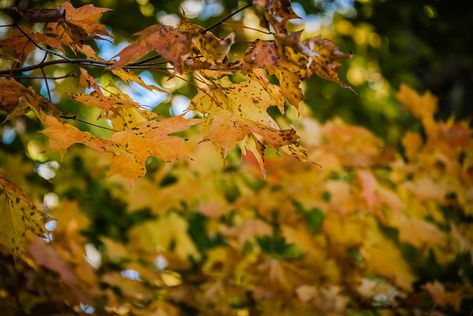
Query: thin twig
[226, 18]
[44, 77]
[249, 28]
[149, 64]
[47, 85]
[198, 88]
[41, 77]
[90, 62]
[37, 45]
[145, 60]
[88, 123]
[10, 72]
[151, 67]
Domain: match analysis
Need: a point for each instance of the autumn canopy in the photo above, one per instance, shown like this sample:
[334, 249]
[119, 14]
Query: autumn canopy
[239, 203]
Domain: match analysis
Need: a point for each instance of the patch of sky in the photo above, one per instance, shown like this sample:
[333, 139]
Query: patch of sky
[92, 256]
[108, 49]
[314, 21]
[51, 225]
[86, 308]
[8, 135]
[179, 105]
[47, 170]
[44, 91]
[329, 7]
[213, 8]
[148, 99]
[130, 274]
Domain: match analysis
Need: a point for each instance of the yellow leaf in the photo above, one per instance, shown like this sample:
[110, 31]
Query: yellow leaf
[383, 257]
[421, 106]
[18, 217]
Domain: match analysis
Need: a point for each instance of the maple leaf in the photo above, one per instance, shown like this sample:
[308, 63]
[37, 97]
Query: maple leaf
[87, 17]
[292, 61]
[18, 100]
[133, 147]
[10, 93]
[107, 103]
[247, 99]
[20, 46]
[18, 217]
[236, 110]
[124, 114]
[172, 44]
[129, 77]
[265, 54]
[130, 148]
[278, 12]
[325, 63]
[86, 80]
[205, 44]
[80, 24]
[421, 106]
[62, 136]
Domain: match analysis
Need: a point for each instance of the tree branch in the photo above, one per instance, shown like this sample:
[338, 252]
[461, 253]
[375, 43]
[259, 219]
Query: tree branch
[88, 123]
[69, 75]
[45, 79]
[226, 18]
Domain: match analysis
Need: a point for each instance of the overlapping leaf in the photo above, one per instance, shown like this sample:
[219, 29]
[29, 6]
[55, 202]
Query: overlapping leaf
[130, 148]
[80, 24]
[172, 44]
[236, 110]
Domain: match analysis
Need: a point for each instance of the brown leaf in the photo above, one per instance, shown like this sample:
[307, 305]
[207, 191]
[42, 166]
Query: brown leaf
[86, 80]
[18, 100]
[278, 12]
[265, 54]
[87, 18]
[18, 45]
[171, 43]
[213, 49]
[325, 64]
